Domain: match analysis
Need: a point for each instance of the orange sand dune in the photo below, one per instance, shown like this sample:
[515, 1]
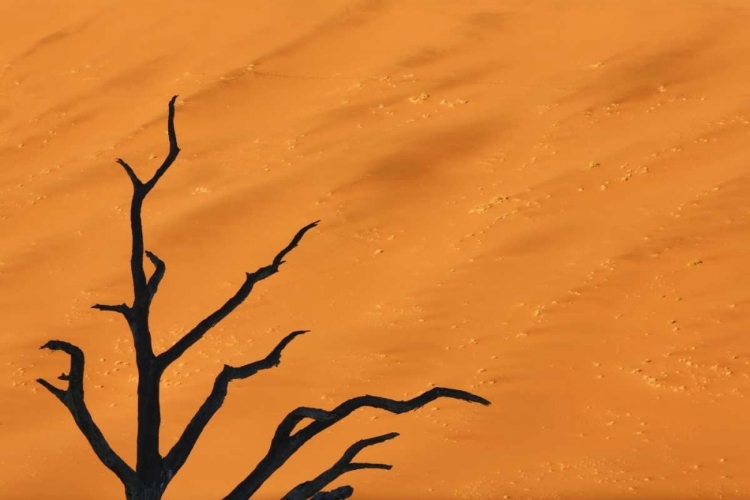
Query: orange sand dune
[543, 202]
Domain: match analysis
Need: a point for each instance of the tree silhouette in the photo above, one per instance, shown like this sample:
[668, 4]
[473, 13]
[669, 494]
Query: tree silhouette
[153, 472]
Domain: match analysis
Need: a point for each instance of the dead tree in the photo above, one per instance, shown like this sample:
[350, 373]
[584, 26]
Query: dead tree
[153, 472]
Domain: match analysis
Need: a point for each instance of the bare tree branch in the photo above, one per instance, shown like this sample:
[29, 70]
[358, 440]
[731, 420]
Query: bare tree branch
[119, 308]
[178, 349]
[174, 150]
[73, 399]
[284, 443]
[155, 279]
[179, 453]
[324, 419]
[131, 173]
[338, 494]
[59, 393]
[309, 488]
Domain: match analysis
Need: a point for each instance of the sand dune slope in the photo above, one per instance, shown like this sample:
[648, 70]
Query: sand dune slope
[543, 202]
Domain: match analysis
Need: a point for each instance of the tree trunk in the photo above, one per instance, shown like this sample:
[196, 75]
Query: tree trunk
[143, 493]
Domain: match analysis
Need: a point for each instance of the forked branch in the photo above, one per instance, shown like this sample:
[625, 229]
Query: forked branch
[323, 419]
[178, 349]
[137, 184]
[285, 443]
[142, 188]
[174, 150]
[152, 286]
[73, 399]
[155, 279]
[144, 290]
[341, 467]
[181, 450]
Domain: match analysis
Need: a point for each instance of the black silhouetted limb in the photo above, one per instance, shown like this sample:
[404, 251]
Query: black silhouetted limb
[343, 465]
[336, 494]
[153, 472]
[285, 443]
[72, 398]
[177, 456]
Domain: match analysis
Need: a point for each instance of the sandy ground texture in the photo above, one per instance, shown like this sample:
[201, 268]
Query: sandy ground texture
[543, 202]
